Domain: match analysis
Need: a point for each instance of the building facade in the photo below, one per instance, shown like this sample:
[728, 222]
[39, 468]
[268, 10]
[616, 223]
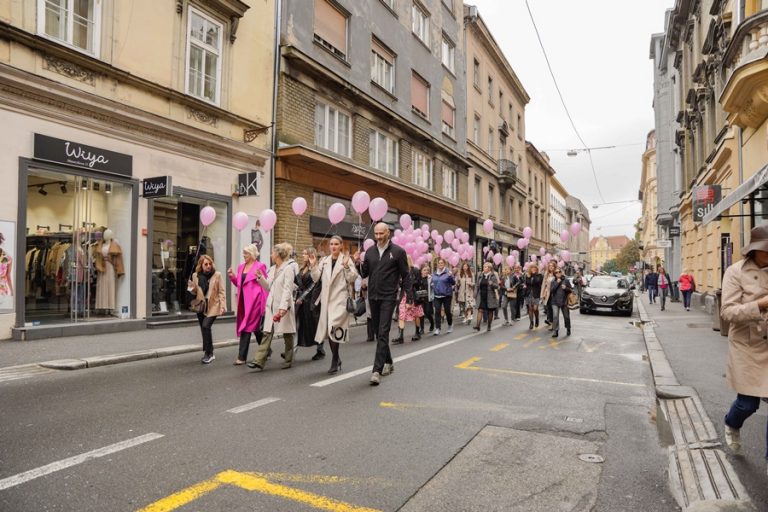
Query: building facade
[92, 110]
[371, 97]
[557, 214]
[579, 244]
[651, 255]
[540, 172]
[496, 101]
[605, 248]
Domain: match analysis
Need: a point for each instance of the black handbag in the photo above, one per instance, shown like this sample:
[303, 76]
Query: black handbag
[422, 295]
[356, 306]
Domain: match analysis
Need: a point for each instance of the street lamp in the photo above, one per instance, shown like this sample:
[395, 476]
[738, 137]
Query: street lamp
[598, 205]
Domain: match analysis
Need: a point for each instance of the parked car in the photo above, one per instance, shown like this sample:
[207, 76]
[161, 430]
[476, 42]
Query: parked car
[607, 294]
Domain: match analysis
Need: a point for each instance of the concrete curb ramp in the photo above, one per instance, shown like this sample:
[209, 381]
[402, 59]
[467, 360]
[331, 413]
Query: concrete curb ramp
[700, 477]
[127, 357]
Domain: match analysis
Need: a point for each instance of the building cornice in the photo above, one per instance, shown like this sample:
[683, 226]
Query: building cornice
[530, 148]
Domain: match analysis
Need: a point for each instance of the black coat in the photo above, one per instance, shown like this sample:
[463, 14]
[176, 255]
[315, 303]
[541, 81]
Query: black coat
[386, 275]
[651, 280]
[559, 292]
[533, 285]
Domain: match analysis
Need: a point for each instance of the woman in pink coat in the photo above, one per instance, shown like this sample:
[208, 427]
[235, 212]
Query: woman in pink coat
[251, 299]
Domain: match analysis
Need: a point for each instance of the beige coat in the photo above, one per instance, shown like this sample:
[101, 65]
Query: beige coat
[281, 284]
[747, 371]
[217, 300]
[334, 317]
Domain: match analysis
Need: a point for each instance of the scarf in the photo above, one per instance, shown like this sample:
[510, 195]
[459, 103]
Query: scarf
[203, 279]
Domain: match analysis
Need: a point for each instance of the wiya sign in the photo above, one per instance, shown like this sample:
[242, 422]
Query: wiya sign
[88, 157]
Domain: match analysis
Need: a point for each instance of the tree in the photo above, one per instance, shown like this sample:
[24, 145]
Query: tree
[628, 256]
[610, 266]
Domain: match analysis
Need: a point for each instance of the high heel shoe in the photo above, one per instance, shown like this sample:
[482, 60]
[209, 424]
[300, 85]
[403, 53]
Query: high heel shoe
[335, 367]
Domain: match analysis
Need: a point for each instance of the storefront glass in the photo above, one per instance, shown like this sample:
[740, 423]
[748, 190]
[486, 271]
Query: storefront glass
[178, 240]
[78, 247]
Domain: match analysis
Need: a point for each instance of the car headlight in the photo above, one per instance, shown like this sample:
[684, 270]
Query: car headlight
[584, 294]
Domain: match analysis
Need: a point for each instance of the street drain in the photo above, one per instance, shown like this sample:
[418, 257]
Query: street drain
[592, 458]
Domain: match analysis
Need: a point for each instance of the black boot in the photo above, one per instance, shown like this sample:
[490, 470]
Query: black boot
[568, 331]
[554, 334]
[320, 354]
[399, 339]
[417, 336]
[336, 360]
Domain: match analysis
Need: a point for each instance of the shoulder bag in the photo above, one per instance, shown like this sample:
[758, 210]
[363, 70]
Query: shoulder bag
[355, 306]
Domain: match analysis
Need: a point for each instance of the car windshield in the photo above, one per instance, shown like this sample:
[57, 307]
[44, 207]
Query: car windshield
[607, 282]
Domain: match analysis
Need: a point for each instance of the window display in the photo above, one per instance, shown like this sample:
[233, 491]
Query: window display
[75, 259]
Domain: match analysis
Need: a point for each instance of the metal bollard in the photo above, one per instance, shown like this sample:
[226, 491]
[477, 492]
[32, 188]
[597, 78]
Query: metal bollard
[675, 295]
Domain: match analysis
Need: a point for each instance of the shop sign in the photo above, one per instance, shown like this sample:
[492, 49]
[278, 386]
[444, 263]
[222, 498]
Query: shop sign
[88, 157]
[674, 231]
[156, 187]
[663, 244]
[249, 184]
[322, 226]
[705, 198]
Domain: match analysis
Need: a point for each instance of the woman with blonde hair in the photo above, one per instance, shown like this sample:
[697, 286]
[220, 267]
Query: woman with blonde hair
[687, 286]
[410, 309]
[486, 295]
[251, 298]
[209, 301]
[280, 281]
[466, 292]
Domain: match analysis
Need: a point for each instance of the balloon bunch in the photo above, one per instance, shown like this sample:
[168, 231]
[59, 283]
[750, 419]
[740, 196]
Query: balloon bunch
[415, 241]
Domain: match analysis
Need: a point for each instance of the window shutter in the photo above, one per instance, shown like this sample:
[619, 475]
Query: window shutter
[383, 52]
[331, 25]
[419, 94]
[448, 114]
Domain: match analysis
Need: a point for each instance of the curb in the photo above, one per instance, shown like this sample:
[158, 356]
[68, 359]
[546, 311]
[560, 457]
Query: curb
[700, 476]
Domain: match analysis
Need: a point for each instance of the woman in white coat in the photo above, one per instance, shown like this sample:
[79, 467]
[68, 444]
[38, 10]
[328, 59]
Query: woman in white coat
[337, 275]
[278, 317]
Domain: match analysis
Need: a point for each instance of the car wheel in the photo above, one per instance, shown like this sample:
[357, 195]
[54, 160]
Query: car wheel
[582, 311]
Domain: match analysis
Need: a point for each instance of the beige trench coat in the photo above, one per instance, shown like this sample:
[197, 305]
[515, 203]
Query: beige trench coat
[217, 299]
[334, 317]
[747, 371]
[281, 284]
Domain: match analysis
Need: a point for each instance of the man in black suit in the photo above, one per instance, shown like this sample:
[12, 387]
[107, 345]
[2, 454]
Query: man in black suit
[386, 267]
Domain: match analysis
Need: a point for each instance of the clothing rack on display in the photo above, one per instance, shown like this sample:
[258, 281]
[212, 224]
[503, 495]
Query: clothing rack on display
[62, 226]
[46, 272]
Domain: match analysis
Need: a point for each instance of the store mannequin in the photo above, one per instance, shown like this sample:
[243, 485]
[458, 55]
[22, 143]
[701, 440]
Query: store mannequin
[6, 283]
[108, 260]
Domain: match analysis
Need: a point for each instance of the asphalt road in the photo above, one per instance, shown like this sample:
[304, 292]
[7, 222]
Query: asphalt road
[482, 421]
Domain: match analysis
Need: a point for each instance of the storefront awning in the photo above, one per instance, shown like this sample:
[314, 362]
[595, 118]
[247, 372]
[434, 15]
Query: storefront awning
[759, 179]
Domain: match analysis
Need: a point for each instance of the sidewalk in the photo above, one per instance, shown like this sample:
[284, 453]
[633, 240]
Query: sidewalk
[122, 346]
[697, 356]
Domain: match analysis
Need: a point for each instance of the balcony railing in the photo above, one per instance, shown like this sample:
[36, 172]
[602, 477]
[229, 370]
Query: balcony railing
[507, 173]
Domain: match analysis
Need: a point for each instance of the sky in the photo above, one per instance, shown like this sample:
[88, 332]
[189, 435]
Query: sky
[599, 51]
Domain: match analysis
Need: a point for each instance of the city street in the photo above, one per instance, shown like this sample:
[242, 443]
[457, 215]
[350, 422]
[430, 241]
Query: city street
[468, 421]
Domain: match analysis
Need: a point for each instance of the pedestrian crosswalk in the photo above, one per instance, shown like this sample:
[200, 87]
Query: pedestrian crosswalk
[22, 372]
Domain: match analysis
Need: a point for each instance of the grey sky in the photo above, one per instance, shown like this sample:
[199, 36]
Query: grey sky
[599, 52]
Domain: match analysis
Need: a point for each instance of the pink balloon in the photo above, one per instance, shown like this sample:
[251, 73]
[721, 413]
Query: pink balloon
[456, 244]
[378, 208]
[560, 264]
[425, 227]
[565, 255]
[438, 240]
[405, 221]
[454, 260]
[527, 232]
[240, 220]
[511, 260]
[207, 216]
[464, 237]
[299, 206]
[368, 244]
[497, 258]
[486, 249]
[542, 251]
[564, 235]
[488, 226]
[434, 234]
[449, 236]
[533, 257]
[575, 229]
[521, 244]
[336, 213]
[360, 201]
[516, 254]
[268, 219]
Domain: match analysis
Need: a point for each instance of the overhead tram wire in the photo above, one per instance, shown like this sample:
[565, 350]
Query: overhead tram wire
[560, 94]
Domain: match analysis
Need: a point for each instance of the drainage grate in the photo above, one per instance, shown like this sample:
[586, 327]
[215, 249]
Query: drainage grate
[592, 458]
[574, 420]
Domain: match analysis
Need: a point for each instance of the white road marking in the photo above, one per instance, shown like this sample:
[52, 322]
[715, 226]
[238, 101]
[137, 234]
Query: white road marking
[22, 372]
[253, 405]
[369, 369]
[21, 478]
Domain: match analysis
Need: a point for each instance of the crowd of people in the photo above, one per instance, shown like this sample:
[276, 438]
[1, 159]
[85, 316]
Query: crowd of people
[658, 284]
[311, 303]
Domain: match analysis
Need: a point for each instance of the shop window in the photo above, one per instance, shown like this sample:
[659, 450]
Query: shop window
[76, 23]
[422, 169]
[178, 241]
[321, 202]
[331, 28]
[78, 249]
[333, 129]
[382, 66]
[383, 152]
[204, 46]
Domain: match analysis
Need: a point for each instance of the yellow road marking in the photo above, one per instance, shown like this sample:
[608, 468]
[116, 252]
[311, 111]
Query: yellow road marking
[548, 376]
[183, 497]
[307, 479]
[521, 336]
[468, 363]
[500, 346]
[532, 341]
[255, 482]
[591, 348]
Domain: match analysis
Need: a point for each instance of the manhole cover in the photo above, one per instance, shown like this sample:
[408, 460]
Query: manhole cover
[591, 457]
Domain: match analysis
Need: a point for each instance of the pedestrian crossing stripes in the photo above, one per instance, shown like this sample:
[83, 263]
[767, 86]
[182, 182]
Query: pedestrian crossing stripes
[22, 372]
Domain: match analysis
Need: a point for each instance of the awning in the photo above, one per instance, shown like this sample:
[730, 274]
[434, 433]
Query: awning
[759, 179]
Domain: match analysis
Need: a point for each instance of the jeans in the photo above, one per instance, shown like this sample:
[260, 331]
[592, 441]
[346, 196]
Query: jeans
[206, 322]
[506, 302]
[440, 303]
[664, 292]
[742, 408]
[556, 310]
[381, 318]
[687, 298]
[652, 293]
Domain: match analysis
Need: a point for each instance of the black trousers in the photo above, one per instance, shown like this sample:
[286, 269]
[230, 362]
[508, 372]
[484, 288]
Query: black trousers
[428, 314]
[245, 342]
[440, 303]
[206, 322]
[381, 318]
[519, 304]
